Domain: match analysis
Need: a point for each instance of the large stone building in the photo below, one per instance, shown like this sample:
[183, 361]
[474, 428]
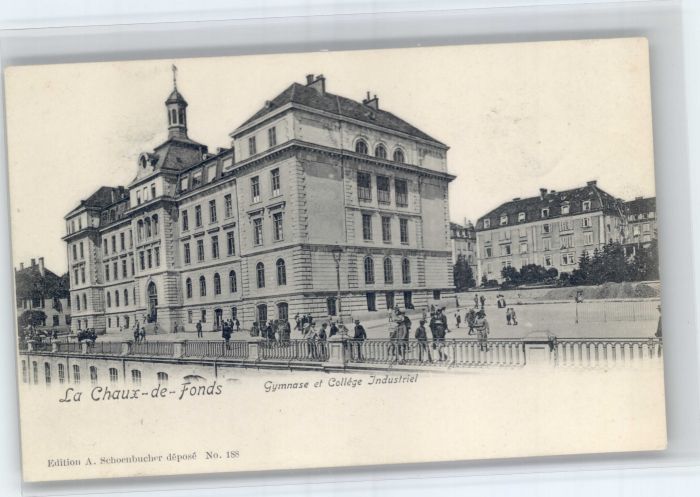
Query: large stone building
[463, 241]
[552, 229]
[254, 231]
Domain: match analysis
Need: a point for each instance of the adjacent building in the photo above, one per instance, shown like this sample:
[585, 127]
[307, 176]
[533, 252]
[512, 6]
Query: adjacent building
[39, 289]
[463, 241]
[552, 229]
[318, 196]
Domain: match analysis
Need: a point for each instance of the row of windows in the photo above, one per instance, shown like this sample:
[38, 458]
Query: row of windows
[142, 195]
[271, 141]
[213, 215]
[380, 151]
[386, 228]
[544, 213]
[148, 258]
[567, 259]
[364, 189]
[390, 299]
[122, 239]
[546, 228]
[145, 229]
[277, 229]
[565, 242]
[232, 285]
[114, 273]
[76, 376]
[214, 244]
[388, 271]
[639, 217]
[116, 300]
[275, 186]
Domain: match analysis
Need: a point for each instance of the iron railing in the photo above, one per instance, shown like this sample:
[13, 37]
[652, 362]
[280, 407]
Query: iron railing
[234, 349]
[295, 350]
[607, 352]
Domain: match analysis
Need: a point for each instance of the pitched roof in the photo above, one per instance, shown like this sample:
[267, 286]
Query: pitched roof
[310, 97]
[553, 200]
[102, 197]
[641, 205]
[178, 152]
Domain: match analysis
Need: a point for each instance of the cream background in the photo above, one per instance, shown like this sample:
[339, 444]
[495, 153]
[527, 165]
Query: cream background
[517, 117]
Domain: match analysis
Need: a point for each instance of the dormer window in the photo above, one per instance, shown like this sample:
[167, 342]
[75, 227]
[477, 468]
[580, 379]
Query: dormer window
[504, 219]
[586, 206]
[143, 161]
[487, 223]
[565, 208]
[361, 147]
[521, 217]
[545, 212]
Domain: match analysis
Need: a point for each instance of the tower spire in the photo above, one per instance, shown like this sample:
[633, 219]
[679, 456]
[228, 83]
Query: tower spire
[176, 107]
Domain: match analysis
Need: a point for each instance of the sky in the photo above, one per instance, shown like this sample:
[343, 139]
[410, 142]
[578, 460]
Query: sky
[517, 117]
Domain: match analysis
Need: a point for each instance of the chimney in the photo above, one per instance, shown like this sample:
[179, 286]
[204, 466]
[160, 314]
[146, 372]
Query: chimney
[371, 102]
[318, 84]
[21, 266]
[592, 183]
[41, 266]
[543, 192]
[515, 199]
[220, 150]
[33, 261]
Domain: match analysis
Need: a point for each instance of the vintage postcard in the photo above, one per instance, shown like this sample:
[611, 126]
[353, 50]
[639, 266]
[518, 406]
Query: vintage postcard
[335, 259]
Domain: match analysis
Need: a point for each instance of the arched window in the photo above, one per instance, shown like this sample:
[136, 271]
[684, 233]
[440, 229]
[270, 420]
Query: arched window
[217, 284]
[188, 288]
[84, 301]
[47, 373]
[173, 116]
[380, 151]
[162, 378]
[399, 156]
[232, 282]
[260, 272]
[135, 376]
[93, 375]
[202, 286]
[388, 271]
[405, 271]
[113, 375]
[148, 227]
[126, 297]
[76, 374]
[155, 224]
[116, 298]
[181, 114]
[109, 299]
[361, 147]
[369, 271]
[281, 272]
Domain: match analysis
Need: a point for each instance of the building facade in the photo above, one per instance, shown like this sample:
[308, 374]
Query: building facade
[552, 230]
[463, 241]
[40, 289]
[318, 196]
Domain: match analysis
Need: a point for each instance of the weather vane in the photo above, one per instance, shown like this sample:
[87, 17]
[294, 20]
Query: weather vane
[174, 76]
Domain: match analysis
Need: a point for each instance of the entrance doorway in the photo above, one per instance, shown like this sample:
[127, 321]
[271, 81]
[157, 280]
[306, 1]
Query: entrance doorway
[218, 318]
[152, 302]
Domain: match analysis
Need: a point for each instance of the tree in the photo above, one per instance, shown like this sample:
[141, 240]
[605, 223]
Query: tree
[463, 274]
[511, 276]
[32, 317]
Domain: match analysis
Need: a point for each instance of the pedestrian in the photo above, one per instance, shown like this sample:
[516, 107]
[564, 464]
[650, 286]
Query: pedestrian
[309, 334]
[422, 338]
[226, 334]
[237, 323]
[458, 318]
[255, 330]
[508, 316]
[143, 334]
[476, 300]
[333, 329]
[438, 330]
[401, 340]
[482, 329]
[482, 299]
[155, 328]
[659, 333]
[199, 329]
[513, 316]
[297, 321]
[471, 316]
[358, 339]
[137, 333]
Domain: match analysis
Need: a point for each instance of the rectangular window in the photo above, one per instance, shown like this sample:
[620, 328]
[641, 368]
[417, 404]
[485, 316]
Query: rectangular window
[364, 186]
[505, 250]
[156, 253]
[215, 247]
[196, 178]
[586, 205]
[183, 184]
[82, 274]
[255, 189]
[635, 230]
[488, 252]
[386, 229]
[401, 186]
[185, 221]
[252, 148]
[124, 273]
[504, 219]
[547, 260]
[200, 250]
[82, 252]
[586, 222]
[588, 238]
[545, 212]
[257, 231]
[142, 260]
[275, 181]
[272, 136]
[566, 225]
[189, 316]
[523, 248]
[403, 229]
[228, 206]
[487, 223]
[212, 211]
[105, 247]
[277, 226]
[76, 277]
[230, 243]
[383, 194]
[75, 252]
[547, 243]
[367, 226]
[106, 272]
[116, 270]
[565, 208]
[646, 228]
[186, 250]
[567, 241]
[149, 256]
[138, 197]
[546, 228]
[198, 216]
[211, 173]
[568, 259]
[132, 266]
[371, 301]
[122, 245]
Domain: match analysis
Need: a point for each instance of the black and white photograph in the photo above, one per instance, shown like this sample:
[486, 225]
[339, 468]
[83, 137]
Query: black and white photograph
[231, 259]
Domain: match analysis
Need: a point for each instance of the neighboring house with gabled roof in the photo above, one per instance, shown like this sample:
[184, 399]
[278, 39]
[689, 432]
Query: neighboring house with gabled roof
[39, 289]
[552, 229]
[641, 222]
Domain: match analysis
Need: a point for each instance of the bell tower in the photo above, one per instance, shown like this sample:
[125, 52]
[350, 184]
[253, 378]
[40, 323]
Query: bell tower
[176, 107]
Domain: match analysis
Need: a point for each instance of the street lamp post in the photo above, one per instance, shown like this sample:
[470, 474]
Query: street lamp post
[337, 252]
